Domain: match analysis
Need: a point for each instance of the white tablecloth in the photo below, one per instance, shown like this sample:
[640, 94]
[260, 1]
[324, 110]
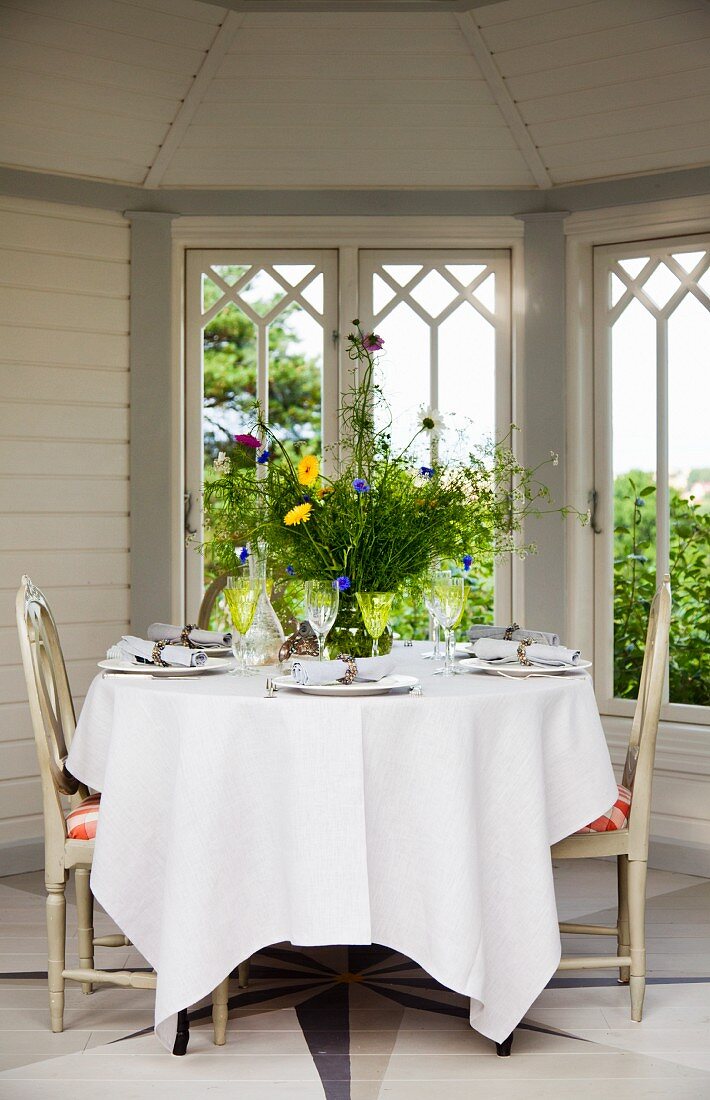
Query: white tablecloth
[230, 821]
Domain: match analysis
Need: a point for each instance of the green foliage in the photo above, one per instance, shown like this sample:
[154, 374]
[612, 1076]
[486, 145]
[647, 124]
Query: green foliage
[635, 584]
[230, 370]
[388, 536]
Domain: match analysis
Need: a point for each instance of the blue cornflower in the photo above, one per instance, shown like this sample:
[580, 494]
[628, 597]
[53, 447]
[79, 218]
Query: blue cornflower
[467, 562]
[264, 457]
[306, 498]
[426, 471]
[243, 555]
[290, 570]
[343, 583]
[360, 485]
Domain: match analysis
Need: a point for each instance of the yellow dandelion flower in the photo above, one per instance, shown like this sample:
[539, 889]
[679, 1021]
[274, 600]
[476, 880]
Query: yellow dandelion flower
[300, 514]
[308, 469]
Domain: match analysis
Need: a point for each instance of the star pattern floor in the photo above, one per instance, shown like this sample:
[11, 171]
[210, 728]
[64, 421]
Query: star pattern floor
[366, 1023]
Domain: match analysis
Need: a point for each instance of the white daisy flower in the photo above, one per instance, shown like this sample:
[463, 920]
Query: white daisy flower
[221, 463]
[555, 458]
[431, 420]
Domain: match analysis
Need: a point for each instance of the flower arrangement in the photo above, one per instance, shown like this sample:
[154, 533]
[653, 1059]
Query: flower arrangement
[375, 522]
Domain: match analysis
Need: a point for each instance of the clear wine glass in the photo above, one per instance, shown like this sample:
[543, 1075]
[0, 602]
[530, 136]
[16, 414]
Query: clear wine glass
[447, 600]
[242, 595]
[322, 601]
[433, 654]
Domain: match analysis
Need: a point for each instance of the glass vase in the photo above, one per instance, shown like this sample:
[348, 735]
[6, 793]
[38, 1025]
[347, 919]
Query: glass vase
[266, 634]
[349, 635]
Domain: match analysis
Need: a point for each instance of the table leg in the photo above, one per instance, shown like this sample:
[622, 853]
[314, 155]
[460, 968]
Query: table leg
[182, 1035]
[503, 1049]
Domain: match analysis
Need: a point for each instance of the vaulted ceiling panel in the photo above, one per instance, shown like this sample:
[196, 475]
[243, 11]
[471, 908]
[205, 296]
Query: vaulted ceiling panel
[516, 93]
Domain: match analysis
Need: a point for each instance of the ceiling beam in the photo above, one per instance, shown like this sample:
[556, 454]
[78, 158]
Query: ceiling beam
[509, 108]
[203, 78]
[352, 5]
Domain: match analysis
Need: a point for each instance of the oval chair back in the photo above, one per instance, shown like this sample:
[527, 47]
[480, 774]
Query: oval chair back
[641, 753]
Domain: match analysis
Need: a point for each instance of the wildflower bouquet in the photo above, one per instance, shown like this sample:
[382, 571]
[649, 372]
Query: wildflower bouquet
[375, 522]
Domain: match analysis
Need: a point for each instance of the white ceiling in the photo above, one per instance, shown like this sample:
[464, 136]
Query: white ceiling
[519, 93]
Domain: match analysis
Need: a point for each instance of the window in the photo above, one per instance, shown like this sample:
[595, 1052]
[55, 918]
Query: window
[265, 324]
[652, 398]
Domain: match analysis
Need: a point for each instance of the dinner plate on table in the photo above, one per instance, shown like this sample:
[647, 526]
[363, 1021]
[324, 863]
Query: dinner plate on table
[363, 687]
[118, 664]
[475, 664]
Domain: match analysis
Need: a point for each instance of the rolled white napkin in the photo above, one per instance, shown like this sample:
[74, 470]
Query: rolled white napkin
[131, 648]
[317, 673]
[157, 631]
[506, 653]
[544, 637]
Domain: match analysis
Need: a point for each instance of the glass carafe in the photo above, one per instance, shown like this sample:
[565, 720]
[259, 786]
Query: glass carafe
[266, 633]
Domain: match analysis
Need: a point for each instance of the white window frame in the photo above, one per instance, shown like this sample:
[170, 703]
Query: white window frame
[684, 744]
[348, 235]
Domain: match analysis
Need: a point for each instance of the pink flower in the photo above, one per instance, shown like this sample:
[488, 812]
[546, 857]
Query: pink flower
[372, 342]
[248, 441]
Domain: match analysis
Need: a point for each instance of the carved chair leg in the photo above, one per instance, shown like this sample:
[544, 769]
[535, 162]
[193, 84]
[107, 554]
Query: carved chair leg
[220, 1012]
[85, 915]
[56, 940]
[244, 974]
[637, 935]
[622, 879]
[182, 1035]
[503, 1049]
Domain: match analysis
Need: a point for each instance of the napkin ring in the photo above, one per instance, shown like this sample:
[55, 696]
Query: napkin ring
[157, 654]
[185, 636]
[351, 672]
[522, 646]
[509, 631]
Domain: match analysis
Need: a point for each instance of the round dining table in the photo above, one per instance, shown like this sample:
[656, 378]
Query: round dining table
[231, 821]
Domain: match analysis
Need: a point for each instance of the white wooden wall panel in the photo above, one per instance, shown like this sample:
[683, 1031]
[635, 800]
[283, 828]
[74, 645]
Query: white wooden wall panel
[568, 20]
[63, 456]
[609, 99]
[348, 91]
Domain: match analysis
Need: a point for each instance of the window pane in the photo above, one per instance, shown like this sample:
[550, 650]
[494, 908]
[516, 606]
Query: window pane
[466, 380]
[689, 469]
[295, 380]
[634, 472]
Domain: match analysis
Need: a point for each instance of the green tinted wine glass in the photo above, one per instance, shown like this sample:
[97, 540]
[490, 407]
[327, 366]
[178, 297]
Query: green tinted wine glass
[242, 596]
[375, 608]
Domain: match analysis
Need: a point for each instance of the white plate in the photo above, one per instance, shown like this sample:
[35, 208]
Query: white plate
[116, 664]
[378, 687]
[216, 650]
[475, 664]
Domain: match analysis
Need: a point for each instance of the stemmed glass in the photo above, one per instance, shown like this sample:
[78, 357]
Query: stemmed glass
[242, 596]
[447, 596]
[322, 600]
[375, 608]
[435, 653]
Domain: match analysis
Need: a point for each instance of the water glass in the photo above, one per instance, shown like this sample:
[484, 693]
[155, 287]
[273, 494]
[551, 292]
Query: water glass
[242, 595]
[375, 608]
[322, 600]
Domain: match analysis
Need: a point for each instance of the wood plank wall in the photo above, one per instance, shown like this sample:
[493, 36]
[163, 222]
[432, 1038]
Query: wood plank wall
[64, 284]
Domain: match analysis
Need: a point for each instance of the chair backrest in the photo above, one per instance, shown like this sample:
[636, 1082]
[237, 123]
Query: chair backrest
[208, 601]
[51, 709]
[640, 756]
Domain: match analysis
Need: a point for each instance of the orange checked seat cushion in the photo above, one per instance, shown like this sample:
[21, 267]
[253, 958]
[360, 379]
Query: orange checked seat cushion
[82, 821]
[615, 818]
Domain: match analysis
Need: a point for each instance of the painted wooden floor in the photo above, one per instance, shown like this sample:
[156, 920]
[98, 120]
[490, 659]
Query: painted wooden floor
[340, 1023]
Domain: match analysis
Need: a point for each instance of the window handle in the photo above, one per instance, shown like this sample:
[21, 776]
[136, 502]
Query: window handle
[188, 509]
[592, 500]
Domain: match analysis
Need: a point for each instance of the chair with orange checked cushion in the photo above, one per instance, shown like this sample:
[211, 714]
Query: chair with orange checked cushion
[623, 831]
[69, 841]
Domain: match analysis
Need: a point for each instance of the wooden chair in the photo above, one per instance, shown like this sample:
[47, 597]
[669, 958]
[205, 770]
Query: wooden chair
[53, 721]
[630, 845]
[208, 601]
